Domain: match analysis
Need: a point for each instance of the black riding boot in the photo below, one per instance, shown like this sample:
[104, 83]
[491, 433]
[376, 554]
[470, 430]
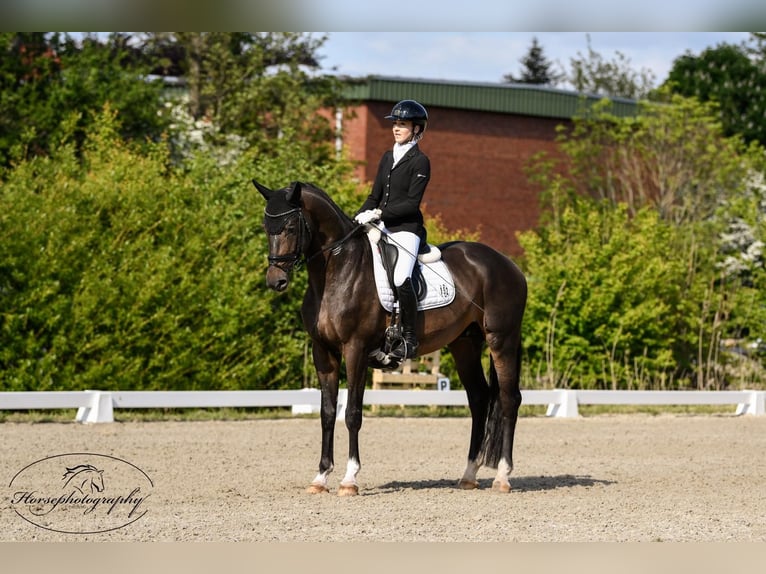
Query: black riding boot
[408, 314]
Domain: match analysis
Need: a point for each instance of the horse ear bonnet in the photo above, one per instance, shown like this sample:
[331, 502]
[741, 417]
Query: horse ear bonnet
[278, 208]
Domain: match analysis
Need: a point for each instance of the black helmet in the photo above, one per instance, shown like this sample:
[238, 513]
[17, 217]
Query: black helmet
[411, 111]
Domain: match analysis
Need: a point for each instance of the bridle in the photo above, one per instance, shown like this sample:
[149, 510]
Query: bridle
[293, 260]
[275, 224]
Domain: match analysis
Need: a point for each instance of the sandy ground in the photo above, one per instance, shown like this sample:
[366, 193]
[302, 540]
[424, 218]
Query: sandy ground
[631, 478]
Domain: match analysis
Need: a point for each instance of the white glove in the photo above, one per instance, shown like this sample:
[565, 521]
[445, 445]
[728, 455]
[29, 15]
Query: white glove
[367, 216]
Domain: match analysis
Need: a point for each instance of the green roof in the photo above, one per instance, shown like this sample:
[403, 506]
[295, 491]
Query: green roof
[523, 99]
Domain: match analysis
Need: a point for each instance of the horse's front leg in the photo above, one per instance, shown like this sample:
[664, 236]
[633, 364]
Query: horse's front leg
[356, 371]
[328, 372]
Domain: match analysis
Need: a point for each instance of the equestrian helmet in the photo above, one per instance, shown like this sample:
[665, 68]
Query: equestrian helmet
[411, 111]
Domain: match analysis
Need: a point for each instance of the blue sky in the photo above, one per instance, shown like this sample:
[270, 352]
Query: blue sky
[488, 56]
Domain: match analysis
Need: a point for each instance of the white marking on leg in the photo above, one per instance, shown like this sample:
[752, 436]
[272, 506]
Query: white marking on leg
[352, 469]
[503, 476]
[321, 478]
[469, 482]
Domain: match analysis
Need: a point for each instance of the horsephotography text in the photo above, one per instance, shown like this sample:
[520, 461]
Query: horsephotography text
[80, 493]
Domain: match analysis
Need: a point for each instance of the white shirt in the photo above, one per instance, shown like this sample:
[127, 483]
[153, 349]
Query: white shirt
[401, 149]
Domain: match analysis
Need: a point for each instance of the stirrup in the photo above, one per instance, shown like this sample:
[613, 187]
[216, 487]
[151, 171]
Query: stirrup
[404, 350]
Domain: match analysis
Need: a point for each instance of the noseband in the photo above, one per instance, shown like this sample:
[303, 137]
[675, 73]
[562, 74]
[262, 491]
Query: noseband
[275, 224]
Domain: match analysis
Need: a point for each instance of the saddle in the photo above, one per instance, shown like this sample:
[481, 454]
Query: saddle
[431, 280]
[431, 277]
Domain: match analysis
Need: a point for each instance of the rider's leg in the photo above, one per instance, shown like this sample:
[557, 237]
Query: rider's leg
[408, 244]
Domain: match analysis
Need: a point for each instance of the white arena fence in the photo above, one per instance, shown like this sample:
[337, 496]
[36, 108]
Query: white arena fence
[98, 406]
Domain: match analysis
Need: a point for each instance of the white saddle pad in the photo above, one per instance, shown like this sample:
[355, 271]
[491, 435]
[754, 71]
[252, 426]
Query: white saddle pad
[440, 287]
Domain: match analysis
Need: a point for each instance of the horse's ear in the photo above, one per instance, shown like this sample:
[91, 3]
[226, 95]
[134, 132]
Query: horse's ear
[265, 191]
[294, 193]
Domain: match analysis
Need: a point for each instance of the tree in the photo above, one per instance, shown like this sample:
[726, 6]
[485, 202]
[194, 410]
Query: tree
[732, 79]
[650, 255]
[756, 48]
[536, 68]
[254, 86]
[48, 81]
[118, 271]
[30, 68]
[673, 157]
[593, 74]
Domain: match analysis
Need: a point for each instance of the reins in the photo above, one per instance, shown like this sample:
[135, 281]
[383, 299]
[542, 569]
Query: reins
[336, 245]
[298, 258]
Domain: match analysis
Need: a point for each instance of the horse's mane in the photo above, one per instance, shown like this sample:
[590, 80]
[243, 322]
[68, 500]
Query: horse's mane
[75, 470]
[325, 197]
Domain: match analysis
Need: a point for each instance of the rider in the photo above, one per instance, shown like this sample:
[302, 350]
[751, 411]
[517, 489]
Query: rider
[403, 174]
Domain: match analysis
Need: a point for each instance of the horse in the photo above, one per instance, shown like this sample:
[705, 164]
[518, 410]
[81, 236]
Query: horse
[84, 477]
[346, 322]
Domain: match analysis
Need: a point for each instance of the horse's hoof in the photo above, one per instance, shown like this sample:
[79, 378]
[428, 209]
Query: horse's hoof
[468, 484]
[501, 486]
[349, 490]
[316, 489]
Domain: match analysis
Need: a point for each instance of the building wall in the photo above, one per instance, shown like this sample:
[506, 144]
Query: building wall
[477, 166]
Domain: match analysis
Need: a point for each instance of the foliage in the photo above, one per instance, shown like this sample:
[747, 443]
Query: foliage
[256, 87]
[629, 281]
[589, 322]
[672, 156]
[132, 276]
[537, 69]
[50, 85]
[591, 73]
[729, 76]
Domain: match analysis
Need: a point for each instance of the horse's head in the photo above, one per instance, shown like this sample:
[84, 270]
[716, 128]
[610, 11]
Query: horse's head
[289, 234]
[84, 477]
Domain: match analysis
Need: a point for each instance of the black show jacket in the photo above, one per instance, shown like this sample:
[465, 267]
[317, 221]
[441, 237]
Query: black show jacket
[398, 191]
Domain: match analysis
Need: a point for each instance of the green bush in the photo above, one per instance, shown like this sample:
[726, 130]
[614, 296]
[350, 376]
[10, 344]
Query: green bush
[649, 258]
[605, 304]
[119, 273]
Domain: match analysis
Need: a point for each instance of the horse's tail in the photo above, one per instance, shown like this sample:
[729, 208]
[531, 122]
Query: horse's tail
[492, 445]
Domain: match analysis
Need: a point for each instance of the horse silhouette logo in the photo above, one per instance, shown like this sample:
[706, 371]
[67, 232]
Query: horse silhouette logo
[85, 478]
[68, 493]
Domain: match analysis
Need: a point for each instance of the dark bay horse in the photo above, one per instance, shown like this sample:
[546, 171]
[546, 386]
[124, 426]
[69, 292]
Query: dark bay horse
[346, 321]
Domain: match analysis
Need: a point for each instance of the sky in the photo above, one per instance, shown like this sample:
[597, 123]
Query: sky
[488, 56]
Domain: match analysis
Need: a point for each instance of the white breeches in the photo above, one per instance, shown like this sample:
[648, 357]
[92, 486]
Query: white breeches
[408, 245]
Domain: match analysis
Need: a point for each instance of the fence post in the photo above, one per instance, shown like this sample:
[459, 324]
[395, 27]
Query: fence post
[566, 406]
[309, 408]
[756, 405]
[100, 409]
[342, 400]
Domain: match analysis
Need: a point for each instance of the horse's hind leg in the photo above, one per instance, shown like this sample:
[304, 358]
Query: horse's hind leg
[504, 411]
[467, 350]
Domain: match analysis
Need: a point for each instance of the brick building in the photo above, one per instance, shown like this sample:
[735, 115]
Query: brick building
[480, 137]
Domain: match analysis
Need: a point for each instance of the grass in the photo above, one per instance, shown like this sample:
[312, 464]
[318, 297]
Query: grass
[596, 410]
[245, 414]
